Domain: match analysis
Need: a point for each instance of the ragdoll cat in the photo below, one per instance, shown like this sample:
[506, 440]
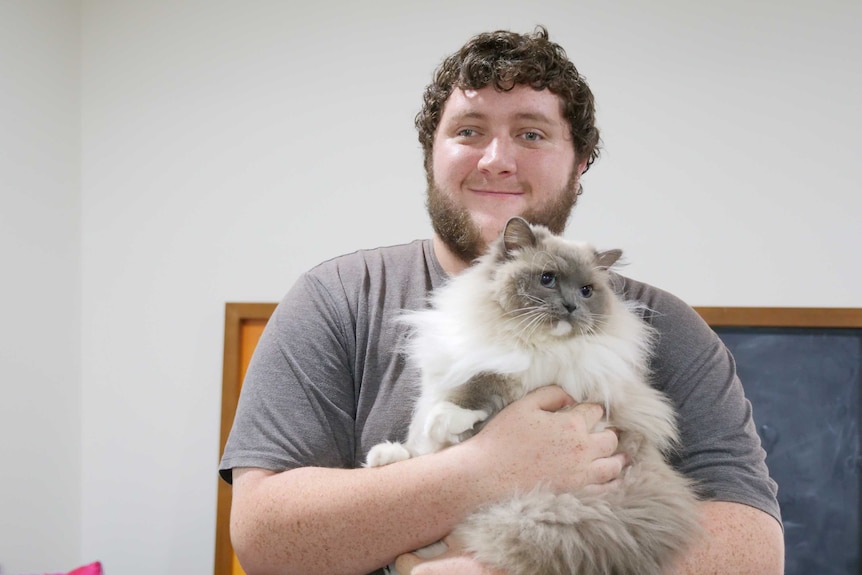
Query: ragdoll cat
[535, 310]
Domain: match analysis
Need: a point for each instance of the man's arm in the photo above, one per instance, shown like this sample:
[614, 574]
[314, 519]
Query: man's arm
[316, 520]
[739, 539]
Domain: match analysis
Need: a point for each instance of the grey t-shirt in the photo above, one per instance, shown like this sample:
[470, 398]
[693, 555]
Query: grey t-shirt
[327, 382]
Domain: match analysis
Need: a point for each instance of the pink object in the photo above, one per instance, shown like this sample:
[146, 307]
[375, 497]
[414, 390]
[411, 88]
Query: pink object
[91, 569]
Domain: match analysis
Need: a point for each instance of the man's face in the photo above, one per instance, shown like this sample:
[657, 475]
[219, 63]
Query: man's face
[497, 155]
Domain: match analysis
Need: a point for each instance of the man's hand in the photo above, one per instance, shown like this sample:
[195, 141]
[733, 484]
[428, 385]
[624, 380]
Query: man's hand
[546, 439]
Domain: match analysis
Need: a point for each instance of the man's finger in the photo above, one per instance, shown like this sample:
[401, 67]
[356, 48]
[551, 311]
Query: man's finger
[406, 562]
[591, 412]
[550, 398]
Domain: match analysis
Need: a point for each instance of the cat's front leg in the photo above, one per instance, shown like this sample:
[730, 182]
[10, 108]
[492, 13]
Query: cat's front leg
[447, 422]
[386, 453]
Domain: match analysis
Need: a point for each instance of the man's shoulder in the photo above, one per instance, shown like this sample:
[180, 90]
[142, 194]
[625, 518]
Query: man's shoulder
[396, 255]
[650, 296]
[405, 269]
[665, 311]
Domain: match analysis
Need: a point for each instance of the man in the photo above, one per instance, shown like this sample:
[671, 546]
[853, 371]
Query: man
[508, 129]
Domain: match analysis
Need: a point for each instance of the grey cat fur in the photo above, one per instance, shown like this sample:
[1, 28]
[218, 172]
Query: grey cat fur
[572, 330]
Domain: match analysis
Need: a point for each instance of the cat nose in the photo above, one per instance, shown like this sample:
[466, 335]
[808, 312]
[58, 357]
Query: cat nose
[570, 307]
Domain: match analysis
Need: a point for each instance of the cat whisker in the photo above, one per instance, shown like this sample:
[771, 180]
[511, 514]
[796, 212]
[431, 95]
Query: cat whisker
[541, 319]
[535, 298]
[600, 320]
[519, 311]
[520, 316]
[596, 325]
[529, 323]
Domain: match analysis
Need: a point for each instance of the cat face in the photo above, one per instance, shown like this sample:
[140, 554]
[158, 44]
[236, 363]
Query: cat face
[550, 286]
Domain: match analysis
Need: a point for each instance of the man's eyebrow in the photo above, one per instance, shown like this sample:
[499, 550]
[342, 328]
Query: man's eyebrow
[536, 117]
[467, 115]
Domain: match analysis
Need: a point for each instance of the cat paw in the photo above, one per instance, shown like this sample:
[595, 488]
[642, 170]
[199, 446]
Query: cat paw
[447, 422]
[386, 453]
[432, 551]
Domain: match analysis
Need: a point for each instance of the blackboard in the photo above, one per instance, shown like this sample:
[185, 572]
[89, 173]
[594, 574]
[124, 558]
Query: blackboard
[805, 386]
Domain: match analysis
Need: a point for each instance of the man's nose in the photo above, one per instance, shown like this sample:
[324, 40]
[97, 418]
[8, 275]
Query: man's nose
[498, 157]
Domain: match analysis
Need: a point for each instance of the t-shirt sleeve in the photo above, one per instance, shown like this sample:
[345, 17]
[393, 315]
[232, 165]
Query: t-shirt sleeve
[719, 448]
[297, 405]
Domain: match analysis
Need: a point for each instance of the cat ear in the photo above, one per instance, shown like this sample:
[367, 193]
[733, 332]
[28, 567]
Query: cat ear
[606, 259]
[518, 235]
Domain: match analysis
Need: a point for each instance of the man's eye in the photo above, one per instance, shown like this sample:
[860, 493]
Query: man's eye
[466, 132]
[532, 136]
[549, 279]
[587, 291]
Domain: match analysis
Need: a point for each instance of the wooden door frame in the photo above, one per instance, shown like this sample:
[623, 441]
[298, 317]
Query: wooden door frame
[236, 316]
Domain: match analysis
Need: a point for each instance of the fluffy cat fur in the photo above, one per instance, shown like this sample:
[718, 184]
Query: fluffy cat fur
[539, 309]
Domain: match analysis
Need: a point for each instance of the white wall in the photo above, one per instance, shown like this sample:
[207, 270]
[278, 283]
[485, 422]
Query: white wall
[40, 291]
[228, 146]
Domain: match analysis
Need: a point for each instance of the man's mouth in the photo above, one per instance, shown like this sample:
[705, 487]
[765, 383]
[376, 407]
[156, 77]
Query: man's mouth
[503, 193]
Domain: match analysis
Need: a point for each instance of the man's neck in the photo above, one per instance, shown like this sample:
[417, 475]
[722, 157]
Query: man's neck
[451, 264]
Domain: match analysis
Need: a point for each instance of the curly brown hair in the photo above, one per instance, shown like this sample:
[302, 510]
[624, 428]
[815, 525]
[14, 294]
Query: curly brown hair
[505, 59]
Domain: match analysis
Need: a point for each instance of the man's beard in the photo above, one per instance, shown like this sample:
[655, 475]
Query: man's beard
[454, 225]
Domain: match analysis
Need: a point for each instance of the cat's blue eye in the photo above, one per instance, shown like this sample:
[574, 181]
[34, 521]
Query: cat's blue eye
[587, 291]
[549, 279]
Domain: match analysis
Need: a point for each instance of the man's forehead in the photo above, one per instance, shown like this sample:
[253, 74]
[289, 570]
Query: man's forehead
[520, 103]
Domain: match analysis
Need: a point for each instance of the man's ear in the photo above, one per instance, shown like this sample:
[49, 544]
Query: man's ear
[582, 167]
